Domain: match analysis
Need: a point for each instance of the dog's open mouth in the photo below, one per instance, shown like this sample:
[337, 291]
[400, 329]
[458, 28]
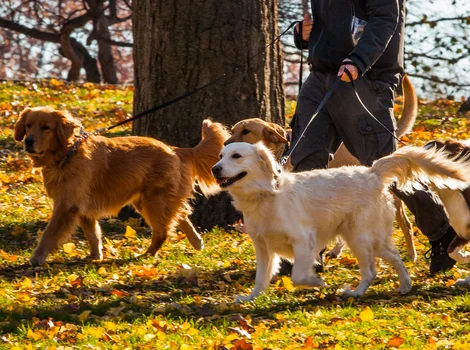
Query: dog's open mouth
[227, 181]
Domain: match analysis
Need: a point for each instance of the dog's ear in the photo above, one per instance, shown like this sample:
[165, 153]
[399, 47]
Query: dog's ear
[66, 126]
[20, 129]
[274, 133]
[267, 158]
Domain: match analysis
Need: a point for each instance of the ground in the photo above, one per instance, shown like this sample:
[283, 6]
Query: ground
[183, 299]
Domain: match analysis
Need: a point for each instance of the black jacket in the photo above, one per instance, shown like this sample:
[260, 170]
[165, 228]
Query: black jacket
[379, 51]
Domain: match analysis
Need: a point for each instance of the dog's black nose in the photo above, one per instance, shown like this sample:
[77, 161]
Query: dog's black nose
[29, 141]
[227, 142]
[216, 170]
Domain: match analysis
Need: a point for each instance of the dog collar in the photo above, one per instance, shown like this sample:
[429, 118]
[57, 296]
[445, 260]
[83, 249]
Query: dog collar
[71, 151]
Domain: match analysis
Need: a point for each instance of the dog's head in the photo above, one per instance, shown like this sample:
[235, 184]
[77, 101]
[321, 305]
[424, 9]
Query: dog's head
[256, 130]
[45, 131]
[242, 164]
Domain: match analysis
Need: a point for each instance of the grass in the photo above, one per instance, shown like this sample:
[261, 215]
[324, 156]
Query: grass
[183, 299]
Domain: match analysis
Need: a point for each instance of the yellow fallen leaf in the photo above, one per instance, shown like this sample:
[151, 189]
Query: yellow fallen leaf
[26, 283]
[446, 318]
[367, 314]
[84, 315]
[69, 247]
[130, 233]
[101, 271]
[161, 335]
[287, 283]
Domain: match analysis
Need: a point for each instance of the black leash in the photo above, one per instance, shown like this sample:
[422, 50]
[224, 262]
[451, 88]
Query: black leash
[189, 93]
[348, 73]
[319, 108]
[301, 68]
[322, 104]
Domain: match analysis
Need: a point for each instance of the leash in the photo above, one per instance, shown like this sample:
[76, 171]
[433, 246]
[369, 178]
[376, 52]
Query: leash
[322, 104]
[189, 93]
[348, 73]
[319, 108]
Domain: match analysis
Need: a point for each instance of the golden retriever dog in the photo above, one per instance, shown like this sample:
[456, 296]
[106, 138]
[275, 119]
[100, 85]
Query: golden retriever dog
[275, 138]
[90, 176]
[456, 204]
[295, 215]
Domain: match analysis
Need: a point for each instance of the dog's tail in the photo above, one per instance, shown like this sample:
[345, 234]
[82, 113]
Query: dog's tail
[426, 166]
[203, 157]
[410, 108]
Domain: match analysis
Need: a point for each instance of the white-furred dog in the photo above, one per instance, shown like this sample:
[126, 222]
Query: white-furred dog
[295, 215]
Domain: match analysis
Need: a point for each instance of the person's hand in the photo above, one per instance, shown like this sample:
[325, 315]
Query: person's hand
[306, 27]
[351, 68]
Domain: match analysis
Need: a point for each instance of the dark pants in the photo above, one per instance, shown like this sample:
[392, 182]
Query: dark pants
[343, 119]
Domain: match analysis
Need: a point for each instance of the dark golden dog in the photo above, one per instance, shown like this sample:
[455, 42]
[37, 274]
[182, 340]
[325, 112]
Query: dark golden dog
[92, 177]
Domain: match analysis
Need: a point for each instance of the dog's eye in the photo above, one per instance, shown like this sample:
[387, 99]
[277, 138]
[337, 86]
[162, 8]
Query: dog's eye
[236, 156]
[246, 132]
[44, 128]
[28, 125]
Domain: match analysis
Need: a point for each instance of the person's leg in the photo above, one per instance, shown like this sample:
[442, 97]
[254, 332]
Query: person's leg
[368, 141]
[431, 219]
[321, 138]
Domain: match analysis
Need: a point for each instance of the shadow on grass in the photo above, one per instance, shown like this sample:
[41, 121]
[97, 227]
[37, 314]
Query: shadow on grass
[172, 294]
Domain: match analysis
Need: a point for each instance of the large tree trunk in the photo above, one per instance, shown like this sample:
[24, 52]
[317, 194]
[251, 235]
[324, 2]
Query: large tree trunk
[182, 44]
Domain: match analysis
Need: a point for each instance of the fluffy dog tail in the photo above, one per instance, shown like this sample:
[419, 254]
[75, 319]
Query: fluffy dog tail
[202, 158]
[426, 166]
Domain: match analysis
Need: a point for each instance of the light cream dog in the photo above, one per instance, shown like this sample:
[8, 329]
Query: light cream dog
[295, 215]
[275, 138]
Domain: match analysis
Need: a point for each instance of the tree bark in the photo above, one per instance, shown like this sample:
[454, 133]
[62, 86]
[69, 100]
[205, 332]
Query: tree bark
[182, 44]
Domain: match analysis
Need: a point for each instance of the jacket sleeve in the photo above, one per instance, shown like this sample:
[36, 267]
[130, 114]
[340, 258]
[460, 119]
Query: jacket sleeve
[298, 41]
[383, 17]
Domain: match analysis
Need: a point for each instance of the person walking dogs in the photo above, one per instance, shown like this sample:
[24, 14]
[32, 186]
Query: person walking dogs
[366, 37]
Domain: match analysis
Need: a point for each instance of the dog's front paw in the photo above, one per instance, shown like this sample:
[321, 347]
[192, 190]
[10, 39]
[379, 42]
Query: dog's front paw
[96, 256]
[37, 260]
[308, 282]
[463, 282]
[243, 299]
[404, 289]
[347, 292]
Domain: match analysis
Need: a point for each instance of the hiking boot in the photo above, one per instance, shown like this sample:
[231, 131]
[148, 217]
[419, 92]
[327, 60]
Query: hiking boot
[285, 268]
[440, 260]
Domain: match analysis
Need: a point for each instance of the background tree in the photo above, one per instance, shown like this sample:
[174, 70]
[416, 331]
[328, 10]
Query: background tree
[180, 45]
[44, 35]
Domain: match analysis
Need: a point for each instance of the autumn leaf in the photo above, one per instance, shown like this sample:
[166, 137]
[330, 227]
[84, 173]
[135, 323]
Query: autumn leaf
[396, 342]
[367, 314]
[130, 233]
[69, 248]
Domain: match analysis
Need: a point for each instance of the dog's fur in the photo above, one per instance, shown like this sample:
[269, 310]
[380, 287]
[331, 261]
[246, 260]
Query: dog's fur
[105, 174]
[275, 138]
[295, 215]
[457, 204]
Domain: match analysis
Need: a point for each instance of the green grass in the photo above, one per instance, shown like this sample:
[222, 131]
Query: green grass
[183, 299]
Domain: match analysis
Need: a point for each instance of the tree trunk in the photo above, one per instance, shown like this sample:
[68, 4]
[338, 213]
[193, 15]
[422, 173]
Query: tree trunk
[182, 44]
[105, 52]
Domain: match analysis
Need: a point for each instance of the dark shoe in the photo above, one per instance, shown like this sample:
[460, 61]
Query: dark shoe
[319, 267]
[285, 268]
[440, 260]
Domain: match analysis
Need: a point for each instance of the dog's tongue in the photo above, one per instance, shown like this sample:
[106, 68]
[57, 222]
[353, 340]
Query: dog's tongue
[221, 180]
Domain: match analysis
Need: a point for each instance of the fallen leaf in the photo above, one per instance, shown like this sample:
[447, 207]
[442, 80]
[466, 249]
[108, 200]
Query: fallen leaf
[367, 314]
